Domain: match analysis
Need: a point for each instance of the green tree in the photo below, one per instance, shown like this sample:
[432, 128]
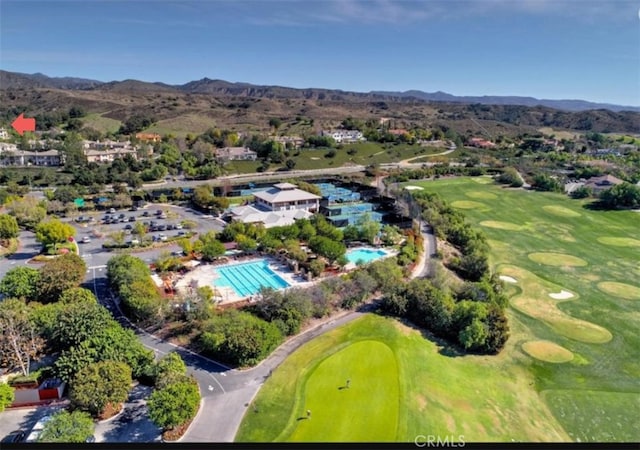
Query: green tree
[369, 228]
[625, 195]
[582, 192]
[78, 295]
[8, 227]
[174, 405]
[326, 247]
[54, 232]
[78, 322]
[20, 282]
[68, 427]
[6, 396]
[28, 211]
[19, 340]
[210, 247]
[170, 370]
[59, 274]
[510, 176]
[544, 182]
[99, 385]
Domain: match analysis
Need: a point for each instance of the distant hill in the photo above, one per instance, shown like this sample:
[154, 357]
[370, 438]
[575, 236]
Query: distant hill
[565, 105]
[195, 106]
[13, 80]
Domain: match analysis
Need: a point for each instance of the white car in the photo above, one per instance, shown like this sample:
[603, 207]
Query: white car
[86, 240]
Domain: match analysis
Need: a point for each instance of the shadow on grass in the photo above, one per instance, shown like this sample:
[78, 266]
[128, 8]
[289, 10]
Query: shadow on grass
[445, 347]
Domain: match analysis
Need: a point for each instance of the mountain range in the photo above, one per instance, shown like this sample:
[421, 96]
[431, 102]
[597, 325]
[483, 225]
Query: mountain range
[14, 80]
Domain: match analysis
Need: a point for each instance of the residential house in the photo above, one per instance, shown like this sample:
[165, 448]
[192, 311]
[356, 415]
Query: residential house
[480, 143]
[109, 155]
[599, 184]
[294, 142]
[148, 137]
[236, 154]
[51, 158]
[4, 134]
[344, 136]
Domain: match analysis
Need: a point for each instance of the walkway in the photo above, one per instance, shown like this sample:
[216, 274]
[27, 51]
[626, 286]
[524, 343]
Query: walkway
[421, 269]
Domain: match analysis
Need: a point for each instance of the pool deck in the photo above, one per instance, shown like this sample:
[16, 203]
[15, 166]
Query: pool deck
[206, 275]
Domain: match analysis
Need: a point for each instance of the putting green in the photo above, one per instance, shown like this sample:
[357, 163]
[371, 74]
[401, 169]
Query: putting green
[481, 195]
[468, 204]
[561, 211]
[547, 351]
[622, 290]
[534, 301]
[368, 408]
[502, 225]
[557, 259]
[619, 241]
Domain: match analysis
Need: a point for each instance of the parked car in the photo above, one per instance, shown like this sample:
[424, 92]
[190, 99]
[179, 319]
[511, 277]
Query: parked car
[121, 216]
[132, 218]
[181, 233]
[163, 237]
[86, 240]
[112, 210]
[128, 227]
[179, 226]
[145, 214]
[13, 437]
[159, 212]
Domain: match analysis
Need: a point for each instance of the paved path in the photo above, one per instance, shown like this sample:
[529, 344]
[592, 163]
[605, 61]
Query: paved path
[421, 269]
[226, 393]
[406, 162]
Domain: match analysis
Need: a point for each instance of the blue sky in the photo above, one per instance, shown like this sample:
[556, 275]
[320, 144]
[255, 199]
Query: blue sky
[580, 49]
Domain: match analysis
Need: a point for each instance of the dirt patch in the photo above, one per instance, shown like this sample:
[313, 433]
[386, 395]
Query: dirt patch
[557, 259]
[481, 195]
[619, 241]
[468, 204]
[622, 290]
[502, 225]
[547, 351]
[422, 402]
[561, 211]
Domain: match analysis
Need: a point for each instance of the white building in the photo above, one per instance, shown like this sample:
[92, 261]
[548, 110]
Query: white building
[345, 136]
[4, 134]
[285, 196]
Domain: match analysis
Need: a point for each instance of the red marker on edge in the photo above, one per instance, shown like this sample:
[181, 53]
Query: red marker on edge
[22, 124]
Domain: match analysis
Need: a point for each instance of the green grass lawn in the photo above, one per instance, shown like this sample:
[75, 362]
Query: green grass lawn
[401, 386]
[100, 123]
[550, 243]
[569, 371]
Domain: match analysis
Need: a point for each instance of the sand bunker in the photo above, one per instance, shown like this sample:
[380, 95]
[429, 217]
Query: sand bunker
[502, 225]
[508, 279]
[561, 211]
[622, 290]
[619, 241]
[557, 259]
[468, 204]
[413, 188]
[562, 295]
[547, 351]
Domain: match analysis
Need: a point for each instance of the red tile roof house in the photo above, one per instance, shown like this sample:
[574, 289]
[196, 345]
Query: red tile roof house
[481, 143]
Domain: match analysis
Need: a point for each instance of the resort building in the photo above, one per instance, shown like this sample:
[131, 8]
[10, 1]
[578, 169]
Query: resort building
[16, 157]
[279, 205]
[109, 155]
[286, 196]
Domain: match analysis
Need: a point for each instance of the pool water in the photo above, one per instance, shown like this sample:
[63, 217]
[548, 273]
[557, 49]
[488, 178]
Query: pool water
[364, 255]
[248, 278]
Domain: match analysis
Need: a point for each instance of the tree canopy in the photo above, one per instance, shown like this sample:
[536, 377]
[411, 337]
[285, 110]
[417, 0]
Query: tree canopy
[100, 384]
[8, 227]
[68, 427]
[20, 282]
[54, 232]
[174, 405]
[59, 274]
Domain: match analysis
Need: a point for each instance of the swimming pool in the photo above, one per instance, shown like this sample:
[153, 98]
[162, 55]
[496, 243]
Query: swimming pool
[365, 255]
[248, 278]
